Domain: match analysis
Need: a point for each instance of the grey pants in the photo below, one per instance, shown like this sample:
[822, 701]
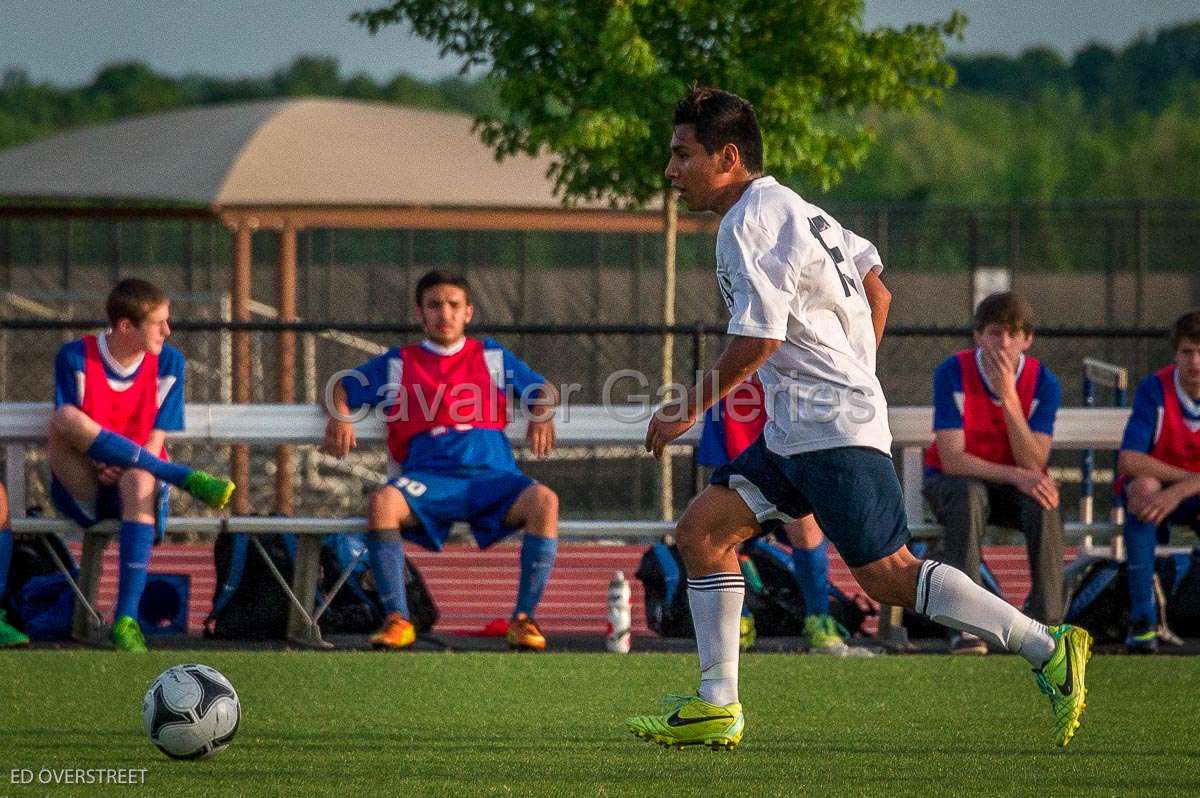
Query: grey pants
[965, 506]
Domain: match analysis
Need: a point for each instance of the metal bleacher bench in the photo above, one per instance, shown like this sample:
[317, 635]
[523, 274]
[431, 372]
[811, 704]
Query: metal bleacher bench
[22, 424]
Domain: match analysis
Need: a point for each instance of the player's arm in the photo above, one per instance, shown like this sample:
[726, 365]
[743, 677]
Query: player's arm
[538, 396]
[741, 358]
[958, 462]
[880, 300]
[339, 432]
[1134, 459]
[1031, 450]
[540, 432]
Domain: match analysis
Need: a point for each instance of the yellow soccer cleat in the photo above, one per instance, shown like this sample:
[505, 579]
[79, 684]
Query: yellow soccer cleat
[524, 634]
[690, 720]
[396, 634]
[1061, 679]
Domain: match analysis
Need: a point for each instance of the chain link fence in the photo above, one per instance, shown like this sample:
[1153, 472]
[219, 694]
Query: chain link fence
[1105, 283]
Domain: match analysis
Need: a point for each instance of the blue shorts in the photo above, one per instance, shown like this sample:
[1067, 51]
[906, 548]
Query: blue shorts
[439, 501]
[852, 490]
[108, 505]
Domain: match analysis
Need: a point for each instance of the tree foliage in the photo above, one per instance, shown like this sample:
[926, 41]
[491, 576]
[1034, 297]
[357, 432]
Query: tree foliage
[595, 83]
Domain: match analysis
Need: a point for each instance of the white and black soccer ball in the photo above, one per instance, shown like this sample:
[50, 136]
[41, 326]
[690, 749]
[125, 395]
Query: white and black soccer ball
[191, 712]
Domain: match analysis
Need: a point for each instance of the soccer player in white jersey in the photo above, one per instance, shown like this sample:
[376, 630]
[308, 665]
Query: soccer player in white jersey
[799, 317]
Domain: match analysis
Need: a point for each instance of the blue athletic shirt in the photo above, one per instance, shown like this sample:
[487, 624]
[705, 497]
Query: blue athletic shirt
[69, 379]
[1146, 416]
[459, 452]
[948, 396]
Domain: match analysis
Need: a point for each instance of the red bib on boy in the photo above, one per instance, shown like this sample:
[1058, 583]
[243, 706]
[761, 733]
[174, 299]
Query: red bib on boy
[984, 431]
[1176, 444]
[443, 393]
[743, 426]
[130, 412]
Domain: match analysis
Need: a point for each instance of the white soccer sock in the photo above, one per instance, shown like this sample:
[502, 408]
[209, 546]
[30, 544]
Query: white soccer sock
[716, 603]
[948, 596]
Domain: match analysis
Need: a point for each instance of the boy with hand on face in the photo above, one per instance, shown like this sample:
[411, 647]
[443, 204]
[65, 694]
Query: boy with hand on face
[993, 421]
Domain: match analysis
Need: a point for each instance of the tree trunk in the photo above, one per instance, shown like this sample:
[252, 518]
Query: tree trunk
[670, 229]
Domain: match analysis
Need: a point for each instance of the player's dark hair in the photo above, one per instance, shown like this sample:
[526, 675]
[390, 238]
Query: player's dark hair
[1011, 311]
[722, 118]
[436, 278]
[133, 299]
[1187, 328]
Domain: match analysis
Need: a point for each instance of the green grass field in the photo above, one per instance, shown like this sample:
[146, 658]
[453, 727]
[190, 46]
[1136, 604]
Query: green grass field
[347, 724]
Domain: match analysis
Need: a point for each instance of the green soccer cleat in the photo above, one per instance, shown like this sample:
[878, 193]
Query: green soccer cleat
[126, 635]
[213, 491]
[690, 720]
[821, 634]
[1061, 679]
[10, 637]
[747, 633]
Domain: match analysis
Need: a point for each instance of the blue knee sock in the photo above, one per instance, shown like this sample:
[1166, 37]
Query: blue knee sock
[1140, 539]
[537, 560]
[117, 450]
[812, 574]
[5, 557]
[137, 539]
[387, 564]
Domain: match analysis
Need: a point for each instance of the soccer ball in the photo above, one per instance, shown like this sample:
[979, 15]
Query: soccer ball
[191, 712]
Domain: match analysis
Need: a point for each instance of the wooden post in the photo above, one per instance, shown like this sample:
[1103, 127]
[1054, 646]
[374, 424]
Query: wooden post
[666, 496]
[285, 357]
[240, 460]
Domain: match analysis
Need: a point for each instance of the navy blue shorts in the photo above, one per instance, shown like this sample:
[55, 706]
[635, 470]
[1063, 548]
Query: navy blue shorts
[852, 490]
[108, 505]
[439, 501]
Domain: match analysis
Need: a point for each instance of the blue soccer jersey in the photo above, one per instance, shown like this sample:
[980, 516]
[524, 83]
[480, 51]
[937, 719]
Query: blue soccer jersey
[948, 396]
[1145, 419]
[69, 379]
[453, 450]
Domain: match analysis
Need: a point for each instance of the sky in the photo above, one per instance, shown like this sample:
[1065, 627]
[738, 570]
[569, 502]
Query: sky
[65, 41]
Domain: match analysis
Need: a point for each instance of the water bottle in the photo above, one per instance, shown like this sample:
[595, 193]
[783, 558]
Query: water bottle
[620, 619]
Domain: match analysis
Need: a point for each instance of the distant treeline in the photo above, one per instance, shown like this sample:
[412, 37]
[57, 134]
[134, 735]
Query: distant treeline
[1107, 125]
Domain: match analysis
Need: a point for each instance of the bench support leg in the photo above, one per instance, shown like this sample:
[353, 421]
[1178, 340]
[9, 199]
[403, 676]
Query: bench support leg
[302, 626]
[86, 625]
[891, 626]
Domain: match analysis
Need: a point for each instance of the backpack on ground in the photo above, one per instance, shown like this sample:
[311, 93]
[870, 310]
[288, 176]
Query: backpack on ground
[664, 589]
[356, 607]
[777, 603]
[249, 604]
[37, 599]
[1099, 595]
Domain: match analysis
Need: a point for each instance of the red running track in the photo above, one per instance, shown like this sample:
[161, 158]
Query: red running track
[472, 587]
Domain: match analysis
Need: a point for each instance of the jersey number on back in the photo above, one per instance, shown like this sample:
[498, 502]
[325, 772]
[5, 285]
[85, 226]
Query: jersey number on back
[818, 225]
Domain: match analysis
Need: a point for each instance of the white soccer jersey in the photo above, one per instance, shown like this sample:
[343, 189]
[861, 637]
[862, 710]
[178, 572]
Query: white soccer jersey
[788, 271]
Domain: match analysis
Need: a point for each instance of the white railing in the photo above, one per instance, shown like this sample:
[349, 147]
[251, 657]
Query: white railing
[22, 424]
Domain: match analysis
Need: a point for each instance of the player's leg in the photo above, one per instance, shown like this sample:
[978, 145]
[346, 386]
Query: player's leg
[388, 512]
[711, 528]
[961, 505]
[810, 563]
[535, 511]
[73, 429]
[1140, 539]
[139, 499]
[857, 489]
[9, 637]
[1043, 530]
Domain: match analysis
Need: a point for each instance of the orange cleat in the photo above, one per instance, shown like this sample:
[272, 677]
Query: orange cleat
[524, 634]
[396, 634]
